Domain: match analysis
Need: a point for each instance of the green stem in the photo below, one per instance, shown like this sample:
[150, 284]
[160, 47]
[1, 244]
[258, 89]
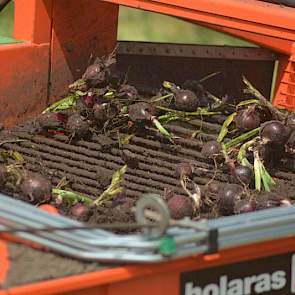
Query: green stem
[168, 118]
[160, 127]
[107, 195]
[257, 171]
[252, 90]
[242, 159]
[236, 141]
[71, 196]
[162, 97]
[261, 174]
[209, 76]
[224, 129]
[200, 112]
[114, 188]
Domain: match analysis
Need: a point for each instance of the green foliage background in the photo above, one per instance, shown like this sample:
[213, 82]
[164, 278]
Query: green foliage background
[138, 25]
[6, 21]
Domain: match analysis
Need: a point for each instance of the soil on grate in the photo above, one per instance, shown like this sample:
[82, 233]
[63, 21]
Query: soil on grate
[31, 265]
[88, 166]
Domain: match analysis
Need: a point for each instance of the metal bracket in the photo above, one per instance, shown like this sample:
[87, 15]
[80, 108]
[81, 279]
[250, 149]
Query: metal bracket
[195, 51]
[153, 202]
[212, 241]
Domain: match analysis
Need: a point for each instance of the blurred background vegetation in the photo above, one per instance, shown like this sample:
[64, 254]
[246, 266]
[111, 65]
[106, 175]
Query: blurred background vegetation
[6, 21]
[139, 25]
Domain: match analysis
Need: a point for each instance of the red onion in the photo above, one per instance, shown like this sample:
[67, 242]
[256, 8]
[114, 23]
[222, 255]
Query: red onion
[290, 144]
[100, 112]
[229, 196]
[89, 100]
[180, 207]
[274, 132]
[77, 126]
[211, 150]
[245, 206]
[36, 187]
[51, 120]
[247, 119]
[140, 111]
[128, 92]
[95, 75]
[186, 100]
[242, 174]
[213, 188]
[80, 211]
[183, 169]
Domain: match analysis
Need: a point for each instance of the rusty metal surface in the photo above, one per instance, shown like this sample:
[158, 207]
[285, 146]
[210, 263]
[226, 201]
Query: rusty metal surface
[195, 51]
[150, 69]
[80, 29]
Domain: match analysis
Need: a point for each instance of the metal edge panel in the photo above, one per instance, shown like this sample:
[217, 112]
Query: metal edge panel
[197, 51]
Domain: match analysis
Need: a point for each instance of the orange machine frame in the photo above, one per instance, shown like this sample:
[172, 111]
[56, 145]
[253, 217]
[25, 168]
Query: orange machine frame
[156, 279]
[269, 25]
[58, 37]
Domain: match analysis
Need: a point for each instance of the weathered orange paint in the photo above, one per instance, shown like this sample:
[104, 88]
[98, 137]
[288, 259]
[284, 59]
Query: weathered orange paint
[33, 20]
[156, 279]
[276, 44]
[4, 260]
[49, 208]
[285, 87]
[265, 24]
[60, 36]
[80, 29]
[249, 16]
[23, 83]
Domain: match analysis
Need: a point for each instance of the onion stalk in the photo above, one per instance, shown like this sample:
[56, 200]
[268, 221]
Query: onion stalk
[238, 140]
[262, 177]
[71, 197]
[224, 129]
[199, 112]
[65, 103]
[114, 188]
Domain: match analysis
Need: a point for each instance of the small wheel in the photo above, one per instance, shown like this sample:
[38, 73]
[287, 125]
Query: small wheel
[154, 203]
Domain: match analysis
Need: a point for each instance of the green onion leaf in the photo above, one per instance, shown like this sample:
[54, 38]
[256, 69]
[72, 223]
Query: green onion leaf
[224, 129]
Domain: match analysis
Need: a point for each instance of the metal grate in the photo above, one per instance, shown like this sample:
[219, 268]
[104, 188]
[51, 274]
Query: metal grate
[88, 165]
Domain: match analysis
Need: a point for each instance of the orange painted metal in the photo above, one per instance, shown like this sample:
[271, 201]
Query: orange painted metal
[4, 261]
[59, 37]
[265, 24]
[251, 16]
[274, 43]
[33, 21]
[49, 208]
[156, 279]
[23, 82]
[81, 29]
[285, 88]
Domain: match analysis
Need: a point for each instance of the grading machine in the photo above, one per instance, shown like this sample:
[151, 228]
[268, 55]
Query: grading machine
[252, 253]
